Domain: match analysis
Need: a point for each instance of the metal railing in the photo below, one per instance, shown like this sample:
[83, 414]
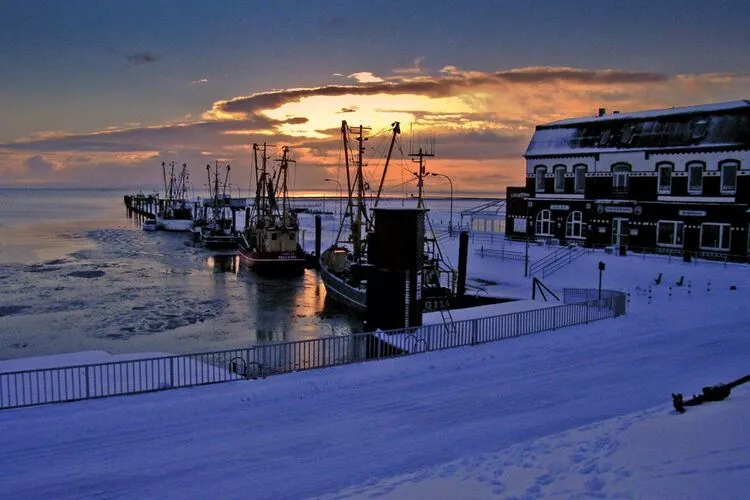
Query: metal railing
[73, 383]
[556, 260]
[500, 253]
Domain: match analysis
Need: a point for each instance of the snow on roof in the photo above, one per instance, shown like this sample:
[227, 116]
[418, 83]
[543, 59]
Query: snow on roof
[701, 108]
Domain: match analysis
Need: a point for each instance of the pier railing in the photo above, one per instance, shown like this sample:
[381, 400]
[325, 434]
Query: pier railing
[73, 383]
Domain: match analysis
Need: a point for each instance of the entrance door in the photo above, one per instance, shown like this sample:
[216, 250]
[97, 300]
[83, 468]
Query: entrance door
[620, 231]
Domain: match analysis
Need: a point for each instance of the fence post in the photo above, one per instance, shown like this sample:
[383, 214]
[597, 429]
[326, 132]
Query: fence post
[87, 383]
[171, 372]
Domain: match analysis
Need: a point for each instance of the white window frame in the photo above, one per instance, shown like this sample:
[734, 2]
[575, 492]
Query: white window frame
[695, 166]
[540, 172]
[579, 184]
[727, 164]
[559, 171]
[573, 225]
[661, 188]
[620, 177]
[677, 224]
[543, 218]
[722, 227]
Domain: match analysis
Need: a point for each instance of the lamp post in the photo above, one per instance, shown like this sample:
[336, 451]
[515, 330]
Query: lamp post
[450, 222]
[341, 194]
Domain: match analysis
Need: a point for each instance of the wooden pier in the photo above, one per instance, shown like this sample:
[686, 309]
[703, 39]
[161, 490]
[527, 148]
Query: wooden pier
[146, 205]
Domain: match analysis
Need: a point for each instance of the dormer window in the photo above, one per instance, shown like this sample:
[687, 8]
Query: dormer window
[627, 134]
[540, 171]
[559, 171]
[699, 128]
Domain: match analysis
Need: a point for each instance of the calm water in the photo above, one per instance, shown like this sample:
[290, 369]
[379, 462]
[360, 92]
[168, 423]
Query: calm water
[77, 274]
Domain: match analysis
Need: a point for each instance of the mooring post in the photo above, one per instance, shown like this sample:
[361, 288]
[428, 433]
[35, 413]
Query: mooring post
[317, 236]
[463, 250]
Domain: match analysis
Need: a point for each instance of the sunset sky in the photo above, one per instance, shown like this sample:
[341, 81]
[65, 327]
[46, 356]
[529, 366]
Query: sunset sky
[98, 94]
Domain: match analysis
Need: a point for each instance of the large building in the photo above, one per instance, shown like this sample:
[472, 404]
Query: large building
[674, 180]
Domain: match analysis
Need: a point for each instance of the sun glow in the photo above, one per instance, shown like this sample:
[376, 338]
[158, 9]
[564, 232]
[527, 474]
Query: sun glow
[326, 112]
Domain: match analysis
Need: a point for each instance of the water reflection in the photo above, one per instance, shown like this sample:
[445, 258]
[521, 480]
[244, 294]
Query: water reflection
[223, 263]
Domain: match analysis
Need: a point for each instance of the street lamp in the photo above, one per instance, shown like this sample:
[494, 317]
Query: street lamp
[450, 222]
[341, 194]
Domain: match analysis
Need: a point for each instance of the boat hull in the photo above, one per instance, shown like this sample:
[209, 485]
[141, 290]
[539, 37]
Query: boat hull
[342, 292]
[273, 263]
[174, 224]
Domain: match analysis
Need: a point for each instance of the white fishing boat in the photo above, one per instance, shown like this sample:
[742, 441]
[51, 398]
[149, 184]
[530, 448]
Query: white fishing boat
[175, 212]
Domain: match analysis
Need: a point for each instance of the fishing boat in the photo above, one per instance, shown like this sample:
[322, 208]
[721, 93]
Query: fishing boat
[270, 242]
[345, 267]
[218, 230]
[175, 212]
[149, 225]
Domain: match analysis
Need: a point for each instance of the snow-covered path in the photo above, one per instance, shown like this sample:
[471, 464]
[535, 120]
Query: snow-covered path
[315, 433]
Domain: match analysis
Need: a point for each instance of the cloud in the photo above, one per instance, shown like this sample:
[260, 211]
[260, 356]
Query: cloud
[38, 165]
[365, 77]
[198, 82]
[347, 110]
[415, 69]
[143, 57]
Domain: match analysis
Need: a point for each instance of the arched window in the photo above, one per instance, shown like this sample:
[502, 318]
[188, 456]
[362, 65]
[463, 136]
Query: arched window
[695, 171]
[574, 225]
[559, 171]
[664, 171]
[544, 223]
[620, 175]
[579, 185]
[728, 169]
[539, 172]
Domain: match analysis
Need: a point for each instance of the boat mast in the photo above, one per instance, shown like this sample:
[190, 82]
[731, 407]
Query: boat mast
[396, 128]
[421, 155]
[282, 181]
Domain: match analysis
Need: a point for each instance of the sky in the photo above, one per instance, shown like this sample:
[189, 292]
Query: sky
[577, 412]
[100, 94]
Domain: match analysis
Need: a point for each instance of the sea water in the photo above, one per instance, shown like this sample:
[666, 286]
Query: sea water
[77, 273]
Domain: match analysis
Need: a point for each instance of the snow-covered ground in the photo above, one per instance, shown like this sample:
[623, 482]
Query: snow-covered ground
[577, 412]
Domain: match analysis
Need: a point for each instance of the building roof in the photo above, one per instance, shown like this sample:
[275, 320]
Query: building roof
[653, 113]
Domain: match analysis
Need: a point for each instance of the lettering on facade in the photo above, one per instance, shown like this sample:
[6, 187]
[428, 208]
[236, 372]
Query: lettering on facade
[559, 207]
[692, 213]
[618, 210]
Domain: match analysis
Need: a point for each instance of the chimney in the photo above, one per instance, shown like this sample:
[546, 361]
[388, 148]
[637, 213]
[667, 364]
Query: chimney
[615, 112]
[602, 111]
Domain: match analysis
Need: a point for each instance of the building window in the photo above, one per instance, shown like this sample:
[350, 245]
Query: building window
[620, 174]
[714, 236]
[539, 172]
[544, 223]
[574, 225]
[695, 177]
[664, 171]
[580, 178]
[559, 171]
[729, 176]
[670, 233]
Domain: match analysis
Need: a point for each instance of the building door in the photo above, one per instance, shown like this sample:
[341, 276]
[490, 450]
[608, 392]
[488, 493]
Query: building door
[620, 231]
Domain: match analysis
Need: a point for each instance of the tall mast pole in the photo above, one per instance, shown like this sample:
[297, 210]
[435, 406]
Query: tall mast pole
[396, 131]
[420, 176]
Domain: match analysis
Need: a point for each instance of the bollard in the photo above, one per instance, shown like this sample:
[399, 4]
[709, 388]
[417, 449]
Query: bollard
[649, 295]
[709, 286]
[670, 292]
[689, 289]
